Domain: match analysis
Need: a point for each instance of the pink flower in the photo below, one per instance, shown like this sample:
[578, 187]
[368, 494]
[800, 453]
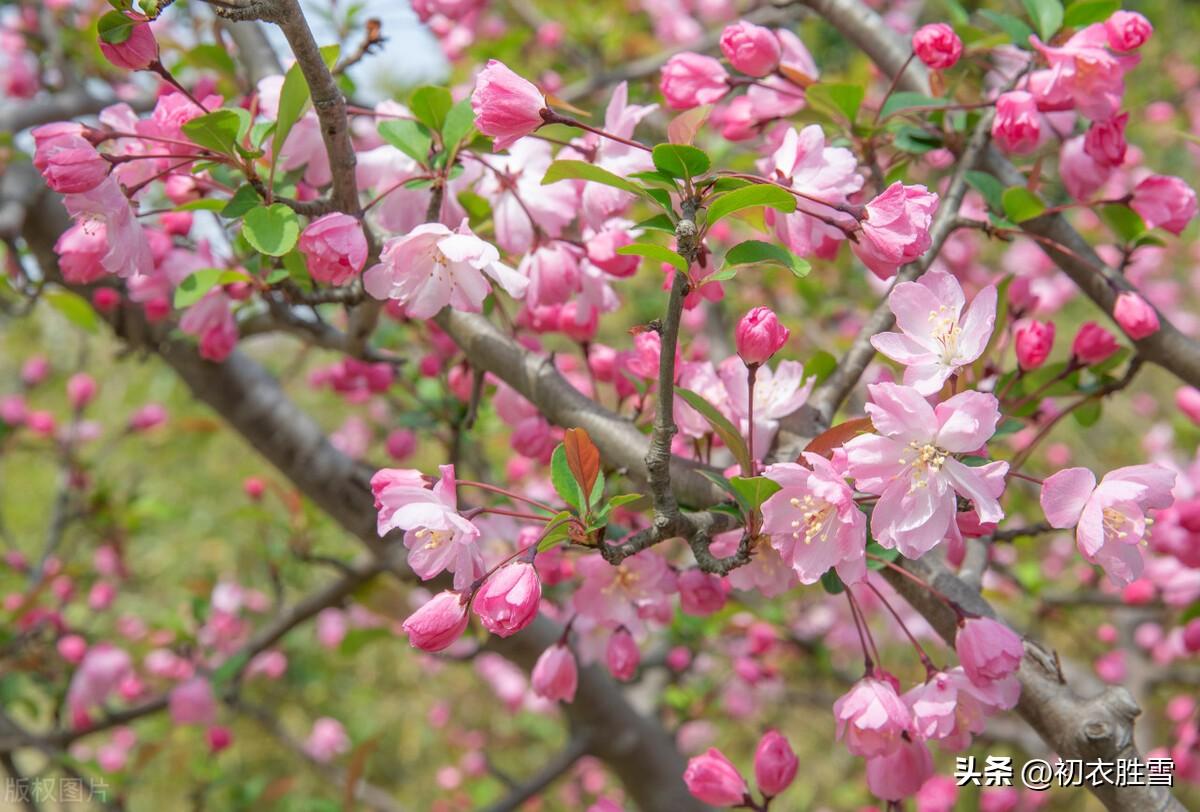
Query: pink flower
[901, 772]
[401, 443]
[1164, 201]
[690, 80]
[714, 780]
[192, 702]
[950, 709]
[509, 599]
[1105, 141]
[872, 718]
[937, 46]
[81, 388]
[327, 740]
[622, 655]
[1034, 340]
[1081, 174]
[211, 319]
[138, 52]
[701, 593]
[1110, 519]
[895, 229]
[637, 587]
[936, 339]
[128, 252]
[68, 162]
[438, 623]
[431, 267]
[751, 49]
[759, 335]
[555, 674]
[813, 520]
[1017, 127]
[775, 764]
[103, 668]
[1135, 315]
[1083, 74]
[507, 107]
[1187, 400]
[219, 738]
[334, 248]
[1093, 344]
[437, 537]
[331, 627]
[911, 464]
[1127, 30]
[602, 252]
[989, 651]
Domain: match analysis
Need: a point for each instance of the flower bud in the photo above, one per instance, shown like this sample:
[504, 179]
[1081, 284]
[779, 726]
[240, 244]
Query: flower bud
[759, 335]
[751, 49]
[148, 417]
[254, 488]
[219, 738]
[1166, 202]
[989, 651]
[1105, 142]
[106, 300]
[508, 601]
[34, 371]
[507, 107]
[622, 655]
[774, 763]
[1093, 343]
[334, 248]
[1127, 30]
[1135, 315]
[138, 52]
[438, 623]
[400, 444]
[555, 675]
[1187, 399]
[1017, 127]
[192, 702]
[81, 388]
[937, 46]
[690, 80]
[714, 780]
[1033, 343]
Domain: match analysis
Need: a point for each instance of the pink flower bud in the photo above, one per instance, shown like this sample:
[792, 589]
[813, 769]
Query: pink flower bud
[177, 223]
[106, 300]
[1187, 399]
[622, 655]
[137, 52]
[148, 417]
[690, 80]
[192, 702]
[1105, 141]
[508, 600]
[1191, 635]
[81, 388]
[1093, 343]
[1033, 343]
[1166, 202]
[12, 410]
[71, 648]
[555, 675]
[70, 164]
[507, 107]
[40, 423]
[327, 740]
[34, 371]
[714, 780]
[334, 248]
[219, 738]
[1017, 127]
[438, 623]
[602, 252]
[701, 593]
[331, 627]
[1135, 315]
[254, 487]
[1127, 30]
[752, 49]
[1139, 592]
[989, 651]
[937, 46]
[759, 335]
[400, 444]
[774, 764]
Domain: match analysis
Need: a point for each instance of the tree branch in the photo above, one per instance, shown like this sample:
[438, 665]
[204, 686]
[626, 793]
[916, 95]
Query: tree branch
[576, 748]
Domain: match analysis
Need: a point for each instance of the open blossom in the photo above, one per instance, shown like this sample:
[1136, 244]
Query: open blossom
[910, 463]
[128, 251]
[936, 338]
[1017, 126]
[637, 587]
[775, 763]
[67, 160]
[1093, 343]
[1127, 30]
[701, 593]
[211, 320]
[436, 536]
[937, 46]
[759, 335]
[508, 601]
[713, 779]
[1083, 74]
[431, 267]
[949, 708]
[507, 107]
[103, 668]
[813, 520]
[898, 774]
[1105, 141]
[777, 393]
[750, 48]
[1164, 201]
[989, 651]
[334, 248]
[895, 229]
[555, 674]
[1136, 316]
[438, 623]
[1033, 342]
[1110, 518]
[690, 80]
[871, 717]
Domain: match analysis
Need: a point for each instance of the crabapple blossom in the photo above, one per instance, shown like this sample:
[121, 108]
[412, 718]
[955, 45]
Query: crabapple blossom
[438, 623]
[989, 651]
[1127, 30]
[775, 763]
[506, 106]
[936, 337]
[899, 773]
[759, 336]
[1135, 315]
[937, 46]
[1093, 344]
[193, 703]
[1164, 202]
[327, 740]
[1017, 126]
[556, 675]
[701, 593]
[713, 779]
[334, 248]
[622, 655]
[911, 465]
[508, 600]
[1033, 342]
[949, 708]
[1105, 142]
[689, 80]
[895, 228]
[750, 48]
[871, 717]
[137, 52]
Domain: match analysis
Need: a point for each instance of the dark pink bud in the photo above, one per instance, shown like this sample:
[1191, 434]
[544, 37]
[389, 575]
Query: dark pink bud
[1034, 341]
[937, 46]
[137, 52]
[1127, 30]
[759, 335]
[622, 655]
[506, 106]
[438, 623]
[106, 300]
[219, 738]
[1135, 315]
[556, 675]
[774, 763]
[1093, 343]
[81, 388]
[690, 80]
[254, 487]
[750, 48]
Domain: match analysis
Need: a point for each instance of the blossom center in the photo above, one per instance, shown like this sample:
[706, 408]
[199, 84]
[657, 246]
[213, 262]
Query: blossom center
[436, 538]
[927, 459]
[945, 330]
[814, 523]
[1115, 523]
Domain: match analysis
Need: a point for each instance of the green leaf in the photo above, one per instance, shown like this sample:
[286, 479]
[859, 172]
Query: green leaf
[114, 28]
[581, 170]
[243, 200]
[954, 9]
[842, 99]
[229, 669]
[75, 308]
[203, 204]
[564, 481]
[1089, 413]
[748, 197]
[408, 136]
[658, 252]
[680, 160]
[832, 583]
[659, 222]
[1009, 426]
[730, 436]
[904, 100]
[1047, 15]
[876, 549]
[219, 130]
[195, 285]
[293, 96]
[1086, 12]
[431, 105]
[914, 140]
[271, 230]
[1125, 223]
[753, 491]
[821, 366]
[1020, 204]
[988, 186]
[752, 251]
[460, 122]
[1014, 27]
[559, 533]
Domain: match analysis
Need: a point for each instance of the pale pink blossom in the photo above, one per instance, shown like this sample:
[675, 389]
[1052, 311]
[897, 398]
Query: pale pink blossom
[895, 228]
[701, 593]
[871, 717]
[988, 650]
[1083, 73]
[899, 773]
[1164, 202]
[507, 107]
[778, 393]
[936, 337]
[211, 320]
[192, 702]
[521, 205]
[637, 587]
[949, 708]
[128, 251]
[911, 464]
